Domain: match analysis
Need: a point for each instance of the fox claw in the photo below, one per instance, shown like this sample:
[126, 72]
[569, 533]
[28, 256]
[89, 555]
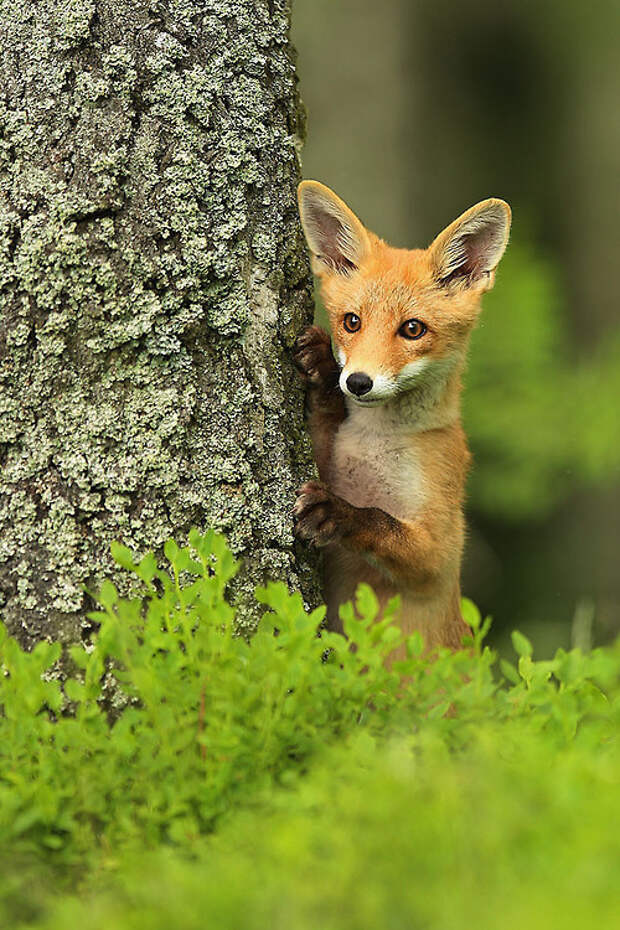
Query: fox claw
[316, 514]
[314, 359]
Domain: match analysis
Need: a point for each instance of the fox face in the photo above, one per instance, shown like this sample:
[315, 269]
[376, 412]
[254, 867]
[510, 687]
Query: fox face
[400, 319]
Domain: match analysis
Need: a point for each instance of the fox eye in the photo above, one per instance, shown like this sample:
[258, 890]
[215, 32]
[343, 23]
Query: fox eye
[412, 329]
[352, 322]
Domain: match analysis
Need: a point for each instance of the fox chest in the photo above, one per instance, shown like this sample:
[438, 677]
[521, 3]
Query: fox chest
[374, 465]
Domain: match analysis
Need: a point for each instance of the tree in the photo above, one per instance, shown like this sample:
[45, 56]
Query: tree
[152, 282]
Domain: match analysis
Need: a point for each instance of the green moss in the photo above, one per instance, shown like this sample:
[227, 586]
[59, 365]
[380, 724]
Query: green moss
[153, 279]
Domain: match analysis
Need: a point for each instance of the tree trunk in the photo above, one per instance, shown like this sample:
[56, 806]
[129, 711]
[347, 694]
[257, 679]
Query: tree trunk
[152, 282]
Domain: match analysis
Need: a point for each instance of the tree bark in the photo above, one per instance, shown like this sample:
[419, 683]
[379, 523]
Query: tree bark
[152, 281]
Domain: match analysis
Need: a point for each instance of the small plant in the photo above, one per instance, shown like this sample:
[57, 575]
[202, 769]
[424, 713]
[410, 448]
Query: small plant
[210, 717]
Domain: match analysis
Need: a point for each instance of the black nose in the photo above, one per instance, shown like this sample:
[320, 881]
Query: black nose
[359, 383]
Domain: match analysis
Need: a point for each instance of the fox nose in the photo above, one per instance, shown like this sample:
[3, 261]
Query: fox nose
[359, 383]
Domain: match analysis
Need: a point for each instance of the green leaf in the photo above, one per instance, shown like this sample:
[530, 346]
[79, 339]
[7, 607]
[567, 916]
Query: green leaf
[171, 551]
[471, 614]
[147, 568]
[510, 672]
[415, 644]
[122, 556]
[79, 656]
[74, 690]
[108, 595]
[366, 602]
[521, 644]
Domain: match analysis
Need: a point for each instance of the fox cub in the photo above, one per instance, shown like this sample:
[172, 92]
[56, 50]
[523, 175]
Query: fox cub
[384, 412]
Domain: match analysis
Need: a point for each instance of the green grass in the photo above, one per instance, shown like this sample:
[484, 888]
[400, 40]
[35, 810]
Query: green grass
[297, 782]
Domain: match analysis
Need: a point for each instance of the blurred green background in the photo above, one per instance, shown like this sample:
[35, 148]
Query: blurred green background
[416, 110]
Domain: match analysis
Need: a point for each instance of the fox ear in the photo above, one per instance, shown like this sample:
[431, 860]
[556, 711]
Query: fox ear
[336, 238]
[469, 250]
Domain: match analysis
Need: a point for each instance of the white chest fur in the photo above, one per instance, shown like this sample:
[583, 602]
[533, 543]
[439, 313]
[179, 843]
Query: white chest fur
[375, 463]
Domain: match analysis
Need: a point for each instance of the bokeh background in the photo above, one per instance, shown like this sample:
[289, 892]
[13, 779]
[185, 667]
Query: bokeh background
[418, 109]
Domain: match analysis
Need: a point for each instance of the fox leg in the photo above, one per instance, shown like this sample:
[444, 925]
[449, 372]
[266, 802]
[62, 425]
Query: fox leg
[406, 552]
[314, 359]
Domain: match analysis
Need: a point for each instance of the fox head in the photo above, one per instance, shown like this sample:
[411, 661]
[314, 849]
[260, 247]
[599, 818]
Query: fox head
[399, 318]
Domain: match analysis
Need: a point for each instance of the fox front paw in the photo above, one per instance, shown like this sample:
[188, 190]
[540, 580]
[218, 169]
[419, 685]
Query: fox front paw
[314, 359]
[319, 515]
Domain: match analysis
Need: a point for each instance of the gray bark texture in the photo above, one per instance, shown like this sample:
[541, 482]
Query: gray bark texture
[152, 281]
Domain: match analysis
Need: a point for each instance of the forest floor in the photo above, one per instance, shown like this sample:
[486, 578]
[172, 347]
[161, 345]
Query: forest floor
[295, 782]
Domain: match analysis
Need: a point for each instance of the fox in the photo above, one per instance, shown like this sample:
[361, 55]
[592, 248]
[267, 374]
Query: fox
[383, 409]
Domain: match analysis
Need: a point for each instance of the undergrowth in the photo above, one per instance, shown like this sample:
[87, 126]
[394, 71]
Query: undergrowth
[298, 780]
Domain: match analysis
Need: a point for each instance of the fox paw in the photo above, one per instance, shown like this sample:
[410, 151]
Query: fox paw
[314, 359]
[319, 515]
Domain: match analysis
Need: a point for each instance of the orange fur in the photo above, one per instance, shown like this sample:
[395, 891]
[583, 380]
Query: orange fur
[393, 460]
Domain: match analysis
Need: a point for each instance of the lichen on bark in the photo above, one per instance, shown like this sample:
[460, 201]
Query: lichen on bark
[152, 282]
